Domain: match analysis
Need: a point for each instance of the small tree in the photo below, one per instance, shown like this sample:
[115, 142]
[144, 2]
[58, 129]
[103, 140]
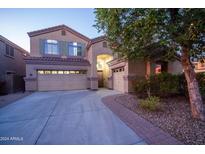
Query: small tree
[165, 33]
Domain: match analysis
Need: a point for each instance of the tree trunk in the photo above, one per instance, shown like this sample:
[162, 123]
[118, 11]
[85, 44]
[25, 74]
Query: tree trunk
[195, 99]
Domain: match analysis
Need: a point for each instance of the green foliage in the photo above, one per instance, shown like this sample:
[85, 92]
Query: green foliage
[166, 84]
[147, 33]
[163, 84]
[151, 103]
[156, 33]
[201, 81]
[142, 88]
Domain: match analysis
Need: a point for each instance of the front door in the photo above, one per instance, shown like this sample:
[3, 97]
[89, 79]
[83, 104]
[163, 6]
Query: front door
[100, 78]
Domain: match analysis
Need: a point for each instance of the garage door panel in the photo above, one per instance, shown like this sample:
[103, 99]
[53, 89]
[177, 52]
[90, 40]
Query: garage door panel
[118, 81]
[62, 82]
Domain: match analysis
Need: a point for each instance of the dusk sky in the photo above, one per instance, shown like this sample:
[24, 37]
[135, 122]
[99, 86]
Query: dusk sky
[15, 23]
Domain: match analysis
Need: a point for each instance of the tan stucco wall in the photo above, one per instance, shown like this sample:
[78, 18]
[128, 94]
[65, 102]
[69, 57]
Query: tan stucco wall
[95, 50]
[15, 64]
[133, 70]
[136, 71]
[175, 67]
[137, 67]
[91, 54]
[31, 84]
[56, 35]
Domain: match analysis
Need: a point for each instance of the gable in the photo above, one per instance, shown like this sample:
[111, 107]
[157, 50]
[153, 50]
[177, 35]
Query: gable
[57, 35]
[58, 28]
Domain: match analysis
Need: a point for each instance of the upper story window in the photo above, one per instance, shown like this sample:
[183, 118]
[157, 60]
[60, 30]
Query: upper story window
[9, 50]
[74, 49]
[51, 47]
[104, 44]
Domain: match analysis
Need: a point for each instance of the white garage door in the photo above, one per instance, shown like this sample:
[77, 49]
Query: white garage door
[118, 81]
[61, 80]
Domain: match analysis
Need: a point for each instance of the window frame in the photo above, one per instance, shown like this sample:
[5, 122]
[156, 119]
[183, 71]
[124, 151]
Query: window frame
[51, 44]
[9, 51]
[75, 47]
[60, 72]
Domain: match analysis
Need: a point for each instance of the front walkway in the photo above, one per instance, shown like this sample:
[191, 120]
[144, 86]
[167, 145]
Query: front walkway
[64, 117]
[150, 133]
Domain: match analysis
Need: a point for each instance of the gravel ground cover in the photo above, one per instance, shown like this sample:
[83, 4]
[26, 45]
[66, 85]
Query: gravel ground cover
[174, 118]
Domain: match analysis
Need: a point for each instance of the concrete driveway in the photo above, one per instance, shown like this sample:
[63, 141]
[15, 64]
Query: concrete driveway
[63, 117]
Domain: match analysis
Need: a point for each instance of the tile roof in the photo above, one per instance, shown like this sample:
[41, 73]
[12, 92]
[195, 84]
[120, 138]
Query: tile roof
[5, 40]
[64, 27]
[73, 61]
[55, 28]
[98, 39]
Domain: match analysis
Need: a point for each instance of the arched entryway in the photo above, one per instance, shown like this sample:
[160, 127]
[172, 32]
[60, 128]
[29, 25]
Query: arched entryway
[103, 69]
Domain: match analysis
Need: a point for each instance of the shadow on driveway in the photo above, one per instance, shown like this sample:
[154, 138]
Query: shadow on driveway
[64, 117]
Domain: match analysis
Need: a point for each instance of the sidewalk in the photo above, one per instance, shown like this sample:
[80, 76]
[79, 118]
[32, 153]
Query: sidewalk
[143, 128]
[8, 99]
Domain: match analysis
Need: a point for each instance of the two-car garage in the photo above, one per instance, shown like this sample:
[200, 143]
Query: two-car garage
[61, 80]
[56, 73]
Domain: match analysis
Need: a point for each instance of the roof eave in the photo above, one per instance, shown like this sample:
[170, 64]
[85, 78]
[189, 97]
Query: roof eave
[56, 28]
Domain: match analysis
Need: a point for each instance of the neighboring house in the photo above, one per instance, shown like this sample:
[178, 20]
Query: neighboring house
[63, 59]
[12, 66]
[199, 66]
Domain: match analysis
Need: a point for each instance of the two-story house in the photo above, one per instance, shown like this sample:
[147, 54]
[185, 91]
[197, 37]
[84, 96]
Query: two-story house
[63, 59]
[12, 66]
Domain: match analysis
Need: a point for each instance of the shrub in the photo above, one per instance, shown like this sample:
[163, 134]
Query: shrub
[142, 87]
[201, 80]
[163, 85]
[151, 103]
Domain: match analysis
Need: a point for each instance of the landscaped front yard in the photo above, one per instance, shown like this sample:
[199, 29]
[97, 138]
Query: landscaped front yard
[174, 117]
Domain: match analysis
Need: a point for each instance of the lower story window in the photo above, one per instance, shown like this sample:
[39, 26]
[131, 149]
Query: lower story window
[121, 69]
[61, 72]
[54, 72]
[72, 72]
[47, 72]
[40, 72]
[66, 72]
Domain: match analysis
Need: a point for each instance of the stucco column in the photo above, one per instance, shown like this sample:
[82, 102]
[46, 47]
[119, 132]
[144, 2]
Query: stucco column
[148, 69]
[110, 82]
[93, 83]
[93, 74]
